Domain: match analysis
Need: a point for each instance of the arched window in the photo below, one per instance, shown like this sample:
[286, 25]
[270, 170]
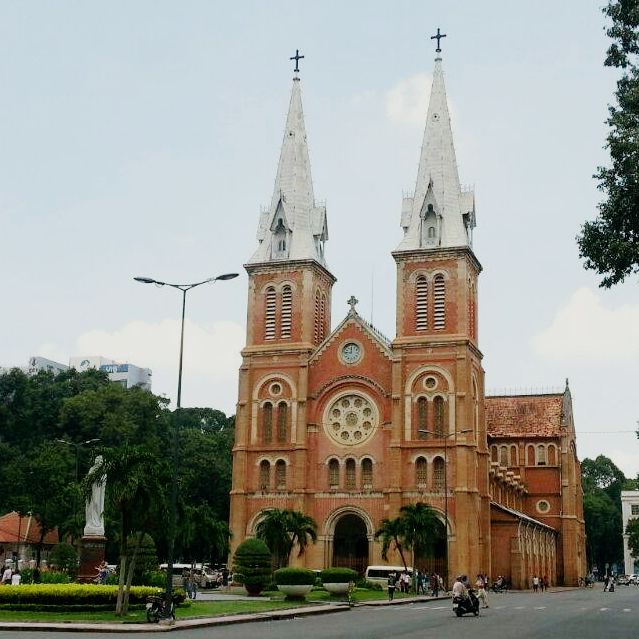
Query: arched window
[431, 232]
[280, 474]
[530, 455]
[286, 316]
[422, 415]
[421, 476]
[438, 473]
[552, 455]
[514, 457]
[439, 409]
[439, 303]
[269, 313]
[503, 456]
[350, 474]
[282, 421]
[367, 474]
[493, 453]
[267, 423]
[421, 304]
[541, 455]
[265, 475]
[333, 473]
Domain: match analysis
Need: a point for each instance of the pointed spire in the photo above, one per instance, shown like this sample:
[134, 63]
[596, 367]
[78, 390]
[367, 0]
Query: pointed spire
[293, 227]
[438, 214]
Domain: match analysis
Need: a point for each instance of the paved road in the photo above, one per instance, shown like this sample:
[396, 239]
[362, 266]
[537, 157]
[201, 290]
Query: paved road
[582, 614]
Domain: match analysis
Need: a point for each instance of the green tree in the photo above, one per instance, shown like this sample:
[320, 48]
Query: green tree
[392, 533]
[632, 530]
[282, 529]
[422, 528]
[610, 243]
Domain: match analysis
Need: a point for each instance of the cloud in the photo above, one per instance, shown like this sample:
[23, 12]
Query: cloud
[585, 330]
[407, 101]
[211, 357]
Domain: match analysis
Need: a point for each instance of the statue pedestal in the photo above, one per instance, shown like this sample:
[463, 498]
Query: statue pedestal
[91, 556]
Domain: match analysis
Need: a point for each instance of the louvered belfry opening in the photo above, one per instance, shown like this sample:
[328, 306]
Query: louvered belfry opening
[270, 307]
[421, 304]
[439, 303]
[287, 312]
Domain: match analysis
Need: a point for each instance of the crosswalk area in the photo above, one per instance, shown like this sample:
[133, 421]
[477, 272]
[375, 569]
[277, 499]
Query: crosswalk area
[596, 607]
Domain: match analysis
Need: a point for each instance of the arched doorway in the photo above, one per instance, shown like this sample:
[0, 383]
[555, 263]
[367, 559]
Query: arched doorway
[350, 543]
[433, 559]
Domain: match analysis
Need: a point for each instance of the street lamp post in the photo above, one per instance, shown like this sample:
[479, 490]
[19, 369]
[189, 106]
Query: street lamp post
[174, 481]
[77, 446]
[445, 438]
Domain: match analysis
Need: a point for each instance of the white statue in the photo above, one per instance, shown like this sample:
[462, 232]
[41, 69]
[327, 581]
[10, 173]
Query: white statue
[95, 505]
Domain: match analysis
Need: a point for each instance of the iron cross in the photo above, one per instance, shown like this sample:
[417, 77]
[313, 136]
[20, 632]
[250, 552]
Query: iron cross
[297, 57]
[352, 300]
[437, 37]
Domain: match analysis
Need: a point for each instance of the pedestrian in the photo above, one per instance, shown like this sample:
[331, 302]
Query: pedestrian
[392, 580]
[434, 584]
[405, 582]
[16, 577]
[6, 575]
[187, 582]
[535, 583]
[606, 581]
[193, 584]
[482, 594]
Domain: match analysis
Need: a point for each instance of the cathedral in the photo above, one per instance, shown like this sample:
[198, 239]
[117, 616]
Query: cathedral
[348, 426]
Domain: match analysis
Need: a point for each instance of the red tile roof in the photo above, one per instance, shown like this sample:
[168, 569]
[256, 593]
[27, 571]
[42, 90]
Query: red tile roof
[524, 415]
[26, 528]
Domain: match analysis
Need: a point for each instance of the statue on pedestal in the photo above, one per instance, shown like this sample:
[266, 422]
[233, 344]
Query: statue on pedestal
[94, 509]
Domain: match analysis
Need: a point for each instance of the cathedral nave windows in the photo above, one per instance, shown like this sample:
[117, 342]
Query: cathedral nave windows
[439, 470]
[267, 423]
[265, 475]
[280, 475]
[421, 472]
[351, 482]
[282, 422]
[350, 474]
[333, 474]
[367, 474]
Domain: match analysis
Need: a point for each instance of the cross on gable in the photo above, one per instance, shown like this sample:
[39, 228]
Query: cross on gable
[438, 36]
[352, 300]
[297, 57]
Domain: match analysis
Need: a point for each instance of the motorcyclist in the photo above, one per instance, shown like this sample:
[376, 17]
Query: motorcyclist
[459, 587]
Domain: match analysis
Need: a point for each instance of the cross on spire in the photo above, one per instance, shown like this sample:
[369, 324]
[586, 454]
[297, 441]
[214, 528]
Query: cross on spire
[351, 301]
[297, 57]
[438, 36]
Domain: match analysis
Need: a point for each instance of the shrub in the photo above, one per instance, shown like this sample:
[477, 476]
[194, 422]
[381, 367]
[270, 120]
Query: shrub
[155, 578]
[252, 565]
[146, 558]
[338, 575]
[69, 594]
[54, 577]
[368, 585]
[64, 557]
[294, 577]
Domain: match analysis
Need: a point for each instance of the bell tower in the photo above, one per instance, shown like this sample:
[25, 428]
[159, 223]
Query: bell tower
[289, 310]
[438, 368]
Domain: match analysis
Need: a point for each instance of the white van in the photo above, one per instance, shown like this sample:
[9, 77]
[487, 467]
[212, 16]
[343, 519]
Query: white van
[379, 574]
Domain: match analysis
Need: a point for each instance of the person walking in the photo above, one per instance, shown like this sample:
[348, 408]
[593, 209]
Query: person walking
[392, 582]
[434, 584]
[535, 584]
[6, 575]
[482, 593]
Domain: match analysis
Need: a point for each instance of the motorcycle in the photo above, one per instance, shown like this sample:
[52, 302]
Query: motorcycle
[466, 605]
[159, 607]
[500, 586]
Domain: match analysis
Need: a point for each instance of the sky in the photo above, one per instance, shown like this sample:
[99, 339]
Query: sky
[142, 138]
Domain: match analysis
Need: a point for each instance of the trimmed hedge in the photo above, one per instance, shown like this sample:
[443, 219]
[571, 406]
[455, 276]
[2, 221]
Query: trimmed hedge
[338, 575]
[294, 577]
[70, 594]
[252, 565]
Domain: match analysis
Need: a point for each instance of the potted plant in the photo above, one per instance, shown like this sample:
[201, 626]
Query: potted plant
[337, 580]
[295, 583]
[252, 565]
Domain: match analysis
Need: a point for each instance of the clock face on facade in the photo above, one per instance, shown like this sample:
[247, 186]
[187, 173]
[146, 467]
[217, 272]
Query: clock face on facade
[351, 352]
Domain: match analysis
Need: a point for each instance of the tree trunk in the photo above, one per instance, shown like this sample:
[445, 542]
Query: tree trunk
[120, 599]
[129, 577]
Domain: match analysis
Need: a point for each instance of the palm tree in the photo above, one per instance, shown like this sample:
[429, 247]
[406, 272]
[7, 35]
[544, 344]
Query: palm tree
[281, 529]
[421, 526]
[392, 533]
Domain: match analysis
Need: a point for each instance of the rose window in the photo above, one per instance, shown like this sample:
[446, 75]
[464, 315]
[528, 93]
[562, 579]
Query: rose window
[351, 419]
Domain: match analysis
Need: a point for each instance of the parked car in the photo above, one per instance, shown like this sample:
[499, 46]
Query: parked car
[633, 579]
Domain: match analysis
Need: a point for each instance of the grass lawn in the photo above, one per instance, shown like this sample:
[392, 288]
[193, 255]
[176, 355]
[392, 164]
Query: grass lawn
[197, 608]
